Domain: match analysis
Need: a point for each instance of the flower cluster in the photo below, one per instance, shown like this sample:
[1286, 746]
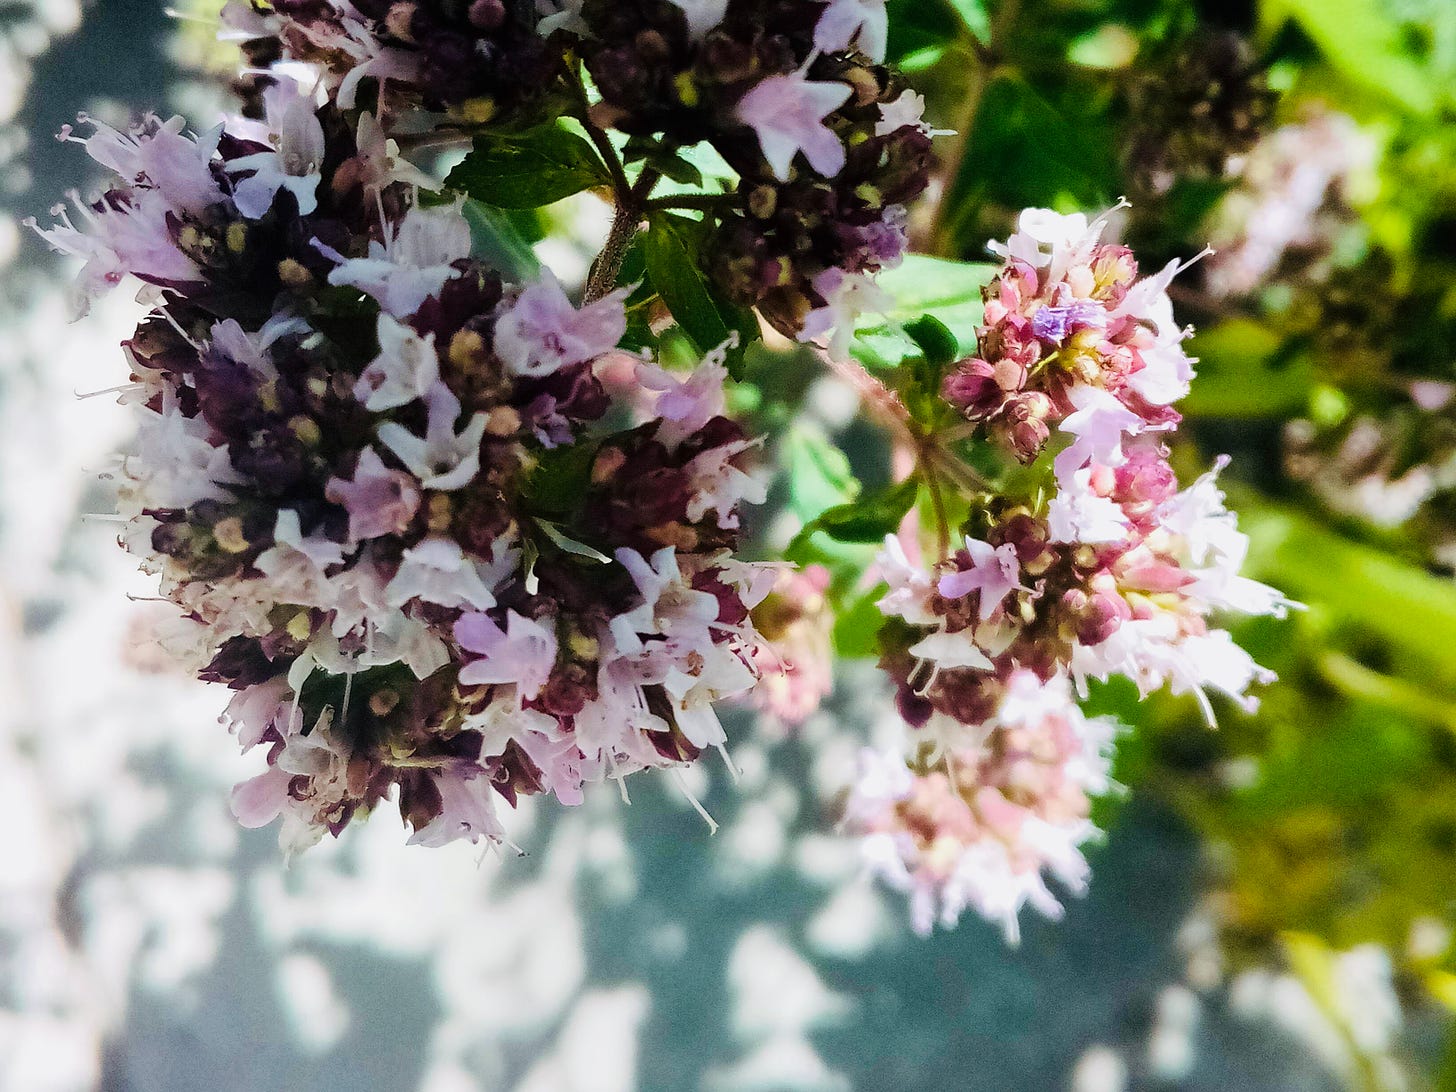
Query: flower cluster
[980, 827]
[380, 485]
[1293, 201]
[1194, 115]
[1072, 340]
[827, 146]
[1108, 568]
[479, 61]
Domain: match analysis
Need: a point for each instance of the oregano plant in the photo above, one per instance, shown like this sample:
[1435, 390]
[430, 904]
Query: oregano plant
[452, 531]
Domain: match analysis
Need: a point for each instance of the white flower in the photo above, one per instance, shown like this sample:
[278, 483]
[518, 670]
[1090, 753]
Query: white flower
[412, 265]
[406, 368]
[296, 163]
[437, 571]
[787, 112]
[862, 22]
[1098, 425]
[1077, 514]
[670, 606]
[444, 459]
[176, 463]
[846, 297]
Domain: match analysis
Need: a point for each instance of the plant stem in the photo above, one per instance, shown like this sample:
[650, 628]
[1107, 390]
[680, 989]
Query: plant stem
[621, 185]
[705, 201]
[948, 219]
[937, 501]
[630, 207]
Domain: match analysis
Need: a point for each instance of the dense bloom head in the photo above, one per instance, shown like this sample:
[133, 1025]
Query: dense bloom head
[371, 505]
[1072, 339]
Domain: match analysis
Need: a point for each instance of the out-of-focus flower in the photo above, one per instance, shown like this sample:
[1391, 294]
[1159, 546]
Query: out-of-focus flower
[994, 818]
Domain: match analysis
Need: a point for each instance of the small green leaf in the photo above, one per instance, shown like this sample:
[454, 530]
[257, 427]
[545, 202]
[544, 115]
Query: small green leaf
[673, 252]
[530, 170]
[560, 479]
[935, 339]
[868, 519]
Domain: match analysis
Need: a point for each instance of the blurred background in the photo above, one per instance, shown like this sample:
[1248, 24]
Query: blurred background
[1272, 906]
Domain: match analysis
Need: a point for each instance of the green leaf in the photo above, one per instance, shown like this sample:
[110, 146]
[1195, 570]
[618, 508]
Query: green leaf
[868, 519]
[973, 15]
[1362, 43]
[948, 292]
[527, 171]
[1398, 602]
[1025, 150]
[663, 159]
[817, 471]
[857, 625]
[495, 238]
[673, 253]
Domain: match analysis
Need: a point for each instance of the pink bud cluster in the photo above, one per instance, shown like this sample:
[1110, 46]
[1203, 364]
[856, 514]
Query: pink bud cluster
[1071, 339]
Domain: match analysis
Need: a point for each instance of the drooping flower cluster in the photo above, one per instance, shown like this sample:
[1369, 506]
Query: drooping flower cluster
[981, 825]
[379, 485]
[1107, 568]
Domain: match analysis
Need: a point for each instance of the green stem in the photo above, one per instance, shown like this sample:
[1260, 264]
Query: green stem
[621, 184]
[628, 218]
[708, 202]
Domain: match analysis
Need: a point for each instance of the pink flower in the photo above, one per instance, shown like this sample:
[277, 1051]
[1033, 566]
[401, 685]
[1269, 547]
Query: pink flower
[995, 572]
[861, 22]
[670, 606]
[542, 332]
[787, 112]
[523, 653]
[380, 501]
[467, 808]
